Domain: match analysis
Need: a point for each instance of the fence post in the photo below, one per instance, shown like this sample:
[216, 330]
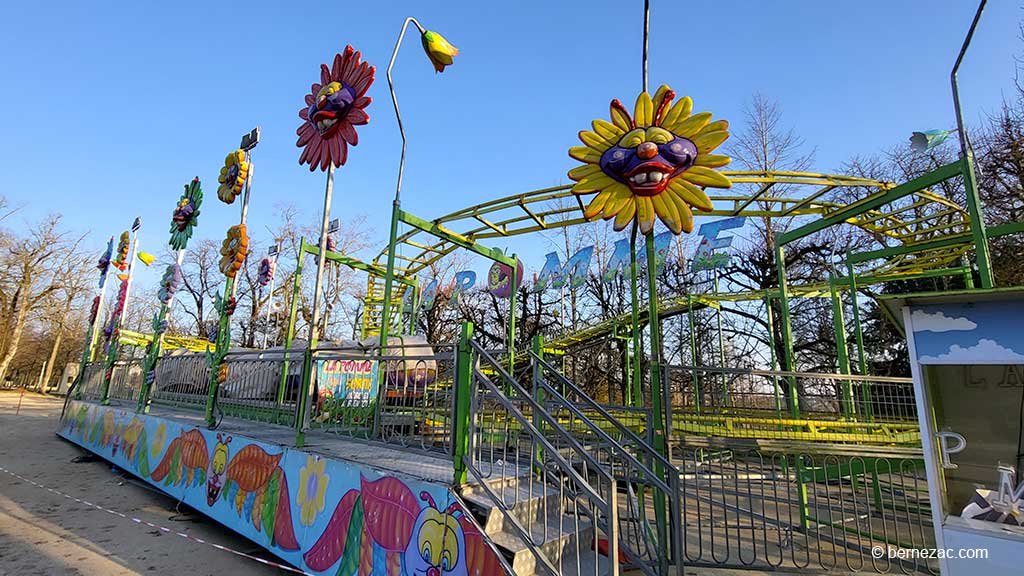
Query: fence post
[538, 397]
[463, 399]
[304, 398]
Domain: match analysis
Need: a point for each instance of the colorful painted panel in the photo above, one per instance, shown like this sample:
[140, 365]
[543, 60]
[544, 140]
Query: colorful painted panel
[352, 382]
[981, 333]
[322, 515]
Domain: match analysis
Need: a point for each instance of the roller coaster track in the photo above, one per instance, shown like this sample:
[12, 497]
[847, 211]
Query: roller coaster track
[935, 230]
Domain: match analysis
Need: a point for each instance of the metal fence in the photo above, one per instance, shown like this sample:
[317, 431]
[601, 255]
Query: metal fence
[837, 408]
[125, 380]
[181, 380]
[750, 509]
[92, 381]
[262, 386]
[401, 395]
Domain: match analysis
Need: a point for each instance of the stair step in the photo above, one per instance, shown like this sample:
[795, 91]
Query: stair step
[560, 545]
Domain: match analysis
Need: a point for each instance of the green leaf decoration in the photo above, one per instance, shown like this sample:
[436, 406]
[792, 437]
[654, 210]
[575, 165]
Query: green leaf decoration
[175, 474]
[227, 489]
[186, 218]
[142, 459]
[353, 541]
[273, 492]
[200, 477]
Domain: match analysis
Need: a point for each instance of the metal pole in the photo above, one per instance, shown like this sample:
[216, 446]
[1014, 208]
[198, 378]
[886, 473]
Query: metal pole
[513, 293]
[862, 363]
[637, 379]
[270, 302]
[386, 310]
[843, 359]
[694, 357]
[153, 354]
[967, 157]
[321, 259]
[787, 330]
[771, 353]
[289, 335]
[89, 348]
[721, 347]
[230, 290]
[115, 347]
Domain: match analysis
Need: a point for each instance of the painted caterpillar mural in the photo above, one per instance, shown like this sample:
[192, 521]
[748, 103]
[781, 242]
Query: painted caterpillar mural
[278, 497]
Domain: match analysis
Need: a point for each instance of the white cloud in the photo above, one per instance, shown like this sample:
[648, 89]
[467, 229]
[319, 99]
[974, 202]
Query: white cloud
[939, 322]
[985, 351]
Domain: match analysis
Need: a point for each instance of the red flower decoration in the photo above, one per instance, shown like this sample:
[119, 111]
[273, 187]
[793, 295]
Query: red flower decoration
[333, 109]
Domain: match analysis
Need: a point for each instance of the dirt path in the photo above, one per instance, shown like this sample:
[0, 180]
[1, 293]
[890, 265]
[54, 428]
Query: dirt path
[47, 534]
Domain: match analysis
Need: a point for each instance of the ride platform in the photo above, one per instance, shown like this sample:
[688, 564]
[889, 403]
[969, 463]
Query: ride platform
[333, 506]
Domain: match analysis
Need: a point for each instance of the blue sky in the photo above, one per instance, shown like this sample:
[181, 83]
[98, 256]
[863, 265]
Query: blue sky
[953, 332]
[110, 108]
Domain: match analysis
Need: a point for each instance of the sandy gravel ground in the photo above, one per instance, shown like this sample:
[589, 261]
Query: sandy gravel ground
[46, 534]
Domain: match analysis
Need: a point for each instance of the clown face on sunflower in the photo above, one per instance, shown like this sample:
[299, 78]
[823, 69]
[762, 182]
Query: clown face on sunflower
[656, 162]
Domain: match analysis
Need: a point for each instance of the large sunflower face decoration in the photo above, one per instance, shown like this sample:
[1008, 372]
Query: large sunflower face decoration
[656, 162]
[334, 107]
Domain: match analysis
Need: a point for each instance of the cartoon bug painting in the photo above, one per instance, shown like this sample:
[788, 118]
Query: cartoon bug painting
[255, 483]
[382, 529]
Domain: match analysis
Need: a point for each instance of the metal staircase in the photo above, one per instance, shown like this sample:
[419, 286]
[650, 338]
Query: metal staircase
[558, 492]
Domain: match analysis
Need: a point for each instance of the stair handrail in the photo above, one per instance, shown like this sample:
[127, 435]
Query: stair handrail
[607, 506]
[670, 487]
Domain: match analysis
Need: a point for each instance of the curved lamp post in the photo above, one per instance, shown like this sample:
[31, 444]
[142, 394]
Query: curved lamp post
[967, 157]
[441, 54]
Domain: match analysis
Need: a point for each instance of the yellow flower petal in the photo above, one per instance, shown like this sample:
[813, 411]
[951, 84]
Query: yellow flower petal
[643, 111]
[593, 183]
[702, 176]
[595, 206]
[711, 160]
[607, 130]
[621, 120]
[715, 126]
[580, 172]
[667, 212]
[708, 141]
[625, 216]
[595, 141]
[585, 154]
[691, 194]
[692, 125]
[680, 111]
[659, 95]
[621, 194]
[685, 215]
[644, 214]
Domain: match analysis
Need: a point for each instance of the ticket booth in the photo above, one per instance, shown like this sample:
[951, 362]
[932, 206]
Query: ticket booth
[967, 360]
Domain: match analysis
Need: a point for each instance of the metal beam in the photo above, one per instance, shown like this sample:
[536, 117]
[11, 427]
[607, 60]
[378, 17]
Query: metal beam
[457, 239]
[809, 199]
[753, 198]
[874, 201]
[353, 263]
[953, 240]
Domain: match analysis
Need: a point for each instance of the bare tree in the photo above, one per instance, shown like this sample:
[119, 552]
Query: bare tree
[35, 268]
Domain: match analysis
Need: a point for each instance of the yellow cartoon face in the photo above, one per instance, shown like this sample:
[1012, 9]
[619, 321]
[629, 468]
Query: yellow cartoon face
[220, 458]
[437, 546]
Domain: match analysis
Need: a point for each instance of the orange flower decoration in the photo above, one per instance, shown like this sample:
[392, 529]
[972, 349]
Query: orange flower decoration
[233, 250]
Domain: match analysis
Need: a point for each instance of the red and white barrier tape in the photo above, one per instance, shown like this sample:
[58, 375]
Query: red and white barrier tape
[161, 528]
